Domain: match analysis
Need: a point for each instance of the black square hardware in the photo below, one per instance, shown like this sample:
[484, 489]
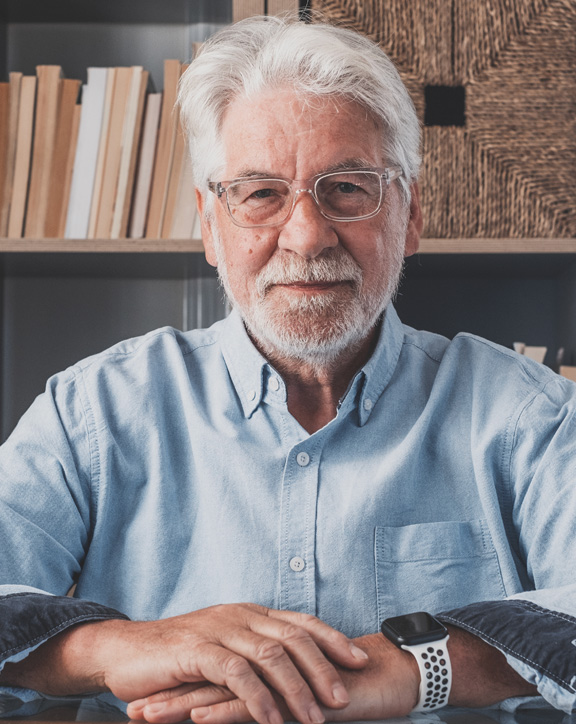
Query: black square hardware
[444, 105]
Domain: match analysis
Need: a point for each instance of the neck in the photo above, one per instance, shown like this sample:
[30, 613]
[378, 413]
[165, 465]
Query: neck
[315, 389]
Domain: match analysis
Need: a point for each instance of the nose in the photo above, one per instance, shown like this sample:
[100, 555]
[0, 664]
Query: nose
[306, 232]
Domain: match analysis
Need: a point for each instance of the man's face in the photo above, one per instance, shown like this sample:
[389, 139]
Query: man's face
[309, 288]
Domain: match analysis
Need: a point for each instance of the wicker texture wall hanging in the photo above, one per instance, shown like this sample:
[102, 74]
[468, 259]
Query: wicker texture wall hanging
[503, 163]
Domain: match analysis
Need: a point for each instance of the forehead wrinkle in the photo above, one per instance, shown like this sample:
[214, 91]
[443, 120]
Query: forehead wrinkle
[348, 164]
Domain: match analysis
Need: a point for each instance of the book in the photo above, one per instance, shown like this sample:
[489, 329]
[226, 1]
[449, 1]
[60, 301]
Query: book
[86, 157]
[63, 147]
[112, 153]
[246, 8]
[4, 124]
[184, 216]
[67, 180]
[568, 371]
[97, 192]
[175, 170]
[10, 132]
[145, 165]
[129, 152]
[22, 157]
[47, 102]
[164, 150]
[280, 7]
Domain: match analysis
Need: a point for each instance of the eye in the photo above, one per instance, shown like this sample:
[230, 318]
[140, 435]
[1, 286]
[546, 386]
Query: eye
[263, 193]
[347, 187]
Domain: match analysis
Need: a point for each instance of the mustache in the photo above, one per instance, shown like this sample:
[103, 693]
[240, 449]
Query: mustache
[334, 266]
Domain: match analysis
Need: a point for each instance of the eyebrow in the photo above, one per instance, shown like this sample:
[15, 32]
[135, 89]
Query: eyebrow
[345, 165]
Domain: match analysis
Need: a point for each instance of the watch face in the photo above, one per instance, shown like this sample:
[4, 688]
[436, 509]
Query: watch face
[413, 628]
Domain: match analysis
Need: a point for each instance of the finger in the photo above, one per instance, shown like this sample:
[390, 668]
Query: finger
[178, 708]
[135, 708]
[332, 642]
[312, 669]
[268, 654]
[221, 666]
[230, 712]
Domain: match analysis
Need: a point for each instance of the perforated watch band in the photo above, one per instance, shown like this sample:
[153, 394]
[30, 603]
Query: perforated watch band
[435, 674]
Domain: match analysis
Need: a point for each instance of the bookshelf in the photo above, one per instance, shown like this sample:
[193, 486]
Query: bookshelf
[62, 299]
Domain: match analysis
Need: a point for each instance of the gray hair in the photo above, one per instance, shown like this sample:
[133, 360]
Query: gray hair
[316, 59]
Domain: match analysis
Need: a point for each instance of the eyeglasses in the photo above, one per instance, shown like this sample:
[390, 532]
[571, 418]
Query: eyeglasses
[349, 195]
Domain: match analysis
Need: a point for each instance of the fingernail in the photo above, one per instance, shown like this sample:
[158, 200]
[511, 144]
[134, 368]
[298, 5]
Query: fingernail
[358, 653]
[200, 713]
[340, 694]
[316, 715]
[155, 708]
[274, 717]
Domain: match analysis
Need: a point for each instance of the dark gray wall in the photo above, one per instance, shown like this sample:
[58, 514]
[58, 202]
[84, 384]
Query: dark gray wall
[52, 321]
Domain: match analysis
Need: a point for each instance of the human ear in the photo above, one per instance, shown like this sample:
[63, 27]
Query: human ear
[415, 222]
[206, 227]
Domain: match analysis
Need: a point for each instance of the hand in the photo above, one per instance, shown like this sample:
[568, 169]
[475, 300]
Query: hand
[238, 646]
[386, 687]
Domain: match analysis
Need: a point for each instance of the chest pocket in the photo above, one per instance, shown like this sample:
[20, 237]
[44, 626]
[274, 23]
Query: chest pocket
[435, 567]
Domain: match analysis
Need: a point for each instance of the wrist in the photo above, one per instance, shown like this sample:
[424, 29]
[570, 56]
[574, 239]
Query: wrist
[482, 674]
[425, 639]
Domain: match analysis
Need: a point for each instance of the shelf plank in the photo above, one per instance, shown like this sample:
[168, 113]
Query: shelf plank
[100, 11]
[109, 246]
[427, 246]
[497, 246]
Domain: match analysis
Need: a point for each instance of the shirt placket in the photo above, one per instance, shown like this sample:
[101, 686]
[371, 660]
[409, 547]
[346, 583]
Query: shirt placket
[298, 529]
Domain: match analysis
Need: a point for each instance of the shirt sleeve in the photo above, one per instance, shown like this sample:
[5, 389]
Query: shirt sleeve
[47, 512]
[539, 642]
[536, 628]
[29, 618]
[48, 497]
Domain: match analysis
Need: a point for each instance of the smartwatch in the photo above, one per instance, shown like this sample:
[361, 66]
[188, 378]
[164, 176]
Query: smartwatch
[425, 638]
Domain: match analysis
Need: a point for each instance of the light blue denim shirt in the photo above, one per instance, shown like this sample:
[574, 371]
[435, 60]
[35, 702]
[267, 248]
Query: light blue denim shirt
[166, 474]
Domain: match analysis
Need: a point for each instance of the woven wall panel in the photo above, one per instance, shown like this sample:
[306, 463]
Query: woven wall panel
[510, 171]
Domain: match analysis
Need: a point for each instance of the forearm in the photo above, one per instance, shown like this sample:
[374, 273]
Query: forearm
[480, 673]
[33, 625]
[72, 662]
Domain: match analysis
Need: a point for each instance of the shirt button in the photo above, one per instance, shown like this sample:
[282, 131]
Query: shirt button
[274, 384]
[302, 459]
[368, 404]
[297, 563]
[252, 395]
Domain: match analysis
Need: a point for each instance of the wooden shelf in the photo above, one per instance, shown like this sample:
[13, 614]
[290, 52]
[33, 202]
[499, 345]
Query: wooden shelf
[108, 246]
[164, 246]
[498, 246]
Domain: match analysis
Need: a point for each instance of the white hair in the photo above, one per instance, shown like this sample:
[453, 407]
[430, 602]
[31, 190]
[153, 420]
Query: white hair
[316, 60]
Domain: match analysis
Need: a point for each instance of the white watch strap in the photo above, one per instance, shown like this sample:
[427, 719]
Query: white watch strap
[435, 674]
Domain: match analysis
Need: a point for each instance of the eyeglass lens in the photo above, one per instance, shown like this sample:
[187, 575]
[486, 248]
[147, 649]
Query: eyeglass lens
[343, 195]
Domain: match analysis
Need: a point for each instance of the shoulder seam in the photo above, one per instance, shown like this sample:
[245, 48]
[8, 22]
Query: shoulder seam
[425, 351]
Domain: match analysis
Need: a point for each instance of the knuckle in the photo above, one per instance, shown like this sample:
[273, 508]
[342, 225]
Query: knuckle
[296, 688]
[269, 652]
[295, 635]
[304, 619]
[235, 667]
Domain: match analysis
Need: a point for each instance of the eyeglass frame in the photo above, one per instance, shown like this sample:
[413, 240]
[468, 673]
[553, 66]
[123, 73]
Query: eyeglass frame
[387, 175]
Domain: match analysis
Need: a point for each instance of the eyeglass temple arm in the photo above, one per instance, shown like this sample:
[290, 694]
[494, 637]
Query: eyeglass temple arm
[216, 188]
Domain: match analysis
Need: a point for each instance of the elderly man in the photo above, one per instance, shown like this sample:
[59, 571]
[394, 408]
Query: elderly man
[309, 454]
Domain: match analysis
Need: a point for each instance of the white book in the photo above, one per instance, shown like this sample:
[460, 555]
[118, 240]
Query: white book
[93, 95]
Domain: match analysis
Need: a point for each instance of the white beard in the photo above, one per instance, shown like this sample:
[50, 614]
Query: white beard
[314, 329]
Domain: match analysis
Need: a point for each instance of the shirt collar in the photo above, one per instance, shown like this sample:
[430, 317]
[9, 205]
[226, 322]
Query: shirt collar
[378, 371]
[251, 372]
[247, 367]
